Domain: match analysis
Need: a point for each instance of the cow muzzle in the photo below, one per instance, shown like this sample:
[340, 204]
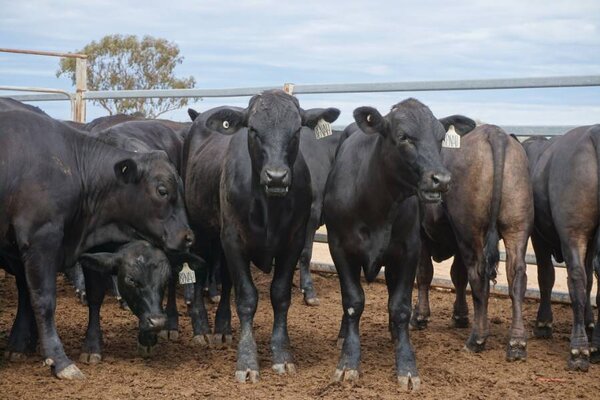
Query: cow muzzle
[433, 185]
[276, 181]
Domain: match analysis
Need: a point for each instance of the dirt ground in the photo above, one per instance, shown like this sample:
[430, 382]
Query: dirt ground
[182, 370]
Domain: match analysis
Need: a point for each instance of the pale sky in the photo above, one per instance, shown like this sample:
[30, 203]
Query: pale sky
[228, 44]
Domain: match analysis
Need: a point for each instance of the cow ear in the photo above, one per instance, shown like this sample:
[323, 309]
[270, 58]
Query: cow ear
[195, 262]
[193, 114]
[370, 121]
[100, 262]
[226, 121]
[462, 124]
[311, 118]
[127, 171]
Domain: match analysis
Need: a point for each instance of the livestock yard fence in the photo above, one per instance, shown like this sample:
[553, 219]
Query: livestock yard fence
[81, 94]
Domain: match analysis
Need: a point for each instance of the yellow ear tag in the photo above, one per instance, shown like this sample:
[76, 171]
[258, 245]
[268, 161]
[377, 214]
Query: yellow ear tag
[322, 129]
[187, 275]
[452, 139]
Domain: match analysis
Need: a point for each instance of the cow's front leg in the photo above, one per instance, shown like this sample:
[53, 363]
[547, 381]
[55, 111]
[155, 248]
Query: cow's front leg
[246, 300]
[353, 301]
[400, 275]
[281, 294]
[41, 256]
[172, 329]
[91, 352]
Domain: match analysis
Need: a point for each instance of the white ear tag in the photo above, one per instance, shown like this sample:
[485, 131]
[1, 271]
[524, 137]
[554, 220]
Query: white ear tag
[322, 129]
[187, 275]
[452, 139]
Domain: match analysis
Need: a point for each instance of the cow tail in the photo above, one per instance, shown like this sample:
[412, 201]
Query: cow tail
[595, 136]
[498, 142]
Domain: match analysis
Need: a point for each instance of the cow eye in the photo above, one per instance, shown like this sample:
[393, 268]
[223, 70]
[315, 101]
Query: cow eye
[130, 282]
[162, 191]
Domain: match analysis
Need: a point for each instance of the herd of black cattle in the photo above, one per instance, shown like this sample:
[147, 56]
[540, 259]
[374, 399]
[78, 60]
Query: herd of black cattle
[137, 199]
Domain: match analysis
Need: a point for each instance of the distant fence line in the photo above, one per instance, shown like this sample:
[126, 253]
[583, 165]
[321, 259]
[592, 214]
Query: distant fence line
[338, 88]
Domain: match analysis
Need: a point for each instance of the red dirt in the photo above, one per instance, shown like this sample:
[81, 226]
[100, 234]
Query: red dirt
[181, 370]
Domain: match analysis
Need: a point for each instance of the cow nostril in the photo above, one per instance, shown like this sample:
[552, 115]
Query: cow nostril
[189, 239]
[435, 179]
[156, 322]
[276, 175]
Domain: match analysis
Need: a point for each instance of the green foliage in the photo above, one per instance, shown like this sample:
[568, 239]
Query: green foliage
[118, 62]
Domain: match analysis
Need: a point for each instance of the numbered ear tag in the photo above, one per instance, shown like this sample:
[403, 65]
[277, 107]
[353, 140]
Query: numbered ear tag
[187, 275]
[452, 139]
[322, 129]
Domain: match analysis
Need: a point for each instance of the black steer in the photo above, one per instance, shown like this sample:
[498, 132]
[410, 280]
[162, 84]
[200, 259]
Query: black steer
[372, 218]
[251, 191]
[59, 191]
[565, 175]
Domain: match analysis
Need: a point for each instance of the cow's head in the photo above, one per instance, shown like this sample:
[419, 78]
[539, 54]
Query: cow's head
[150, 200]
[143, 272]
[412, 144]
[274, 120]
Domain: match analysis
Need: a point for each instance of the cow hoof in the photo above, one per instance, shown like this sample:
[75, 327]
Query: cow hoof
[248, 375]
[169, 335]
[70, 373]
[516, 350]
[81, 296]
[215, 299]
[579, 360]
[145, 351]
[346, 375]
[202, 340]
[311, 300]
[460, 322]
[13, 356]
[223, 341]
[409, 383]
[285, 368]
[90, 358]
[475, 345]
[543, 330]
[594, 355]
[340, 343]
[419, 322]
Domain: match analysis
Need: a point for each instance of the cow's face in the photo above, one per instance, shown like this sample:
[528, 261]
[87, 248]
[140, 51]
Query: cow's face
[143, 272]
[274, 120]
[412, 141]
[151, 200]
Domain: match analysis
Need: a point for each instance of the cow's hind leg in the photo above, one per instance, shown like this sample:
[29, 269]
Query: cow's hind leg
[574, 252]
[422, 311]
[91, 352]
[460, 279]
[480, 291]
[23, 335]
[353, 301]
[516, 272]
[222, 333]
[546, 276]
[595, 347]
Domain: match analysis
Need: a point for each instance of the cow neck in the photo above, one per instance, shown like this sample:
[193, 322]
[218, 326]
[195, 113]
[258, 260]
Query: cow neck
[99, 194]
